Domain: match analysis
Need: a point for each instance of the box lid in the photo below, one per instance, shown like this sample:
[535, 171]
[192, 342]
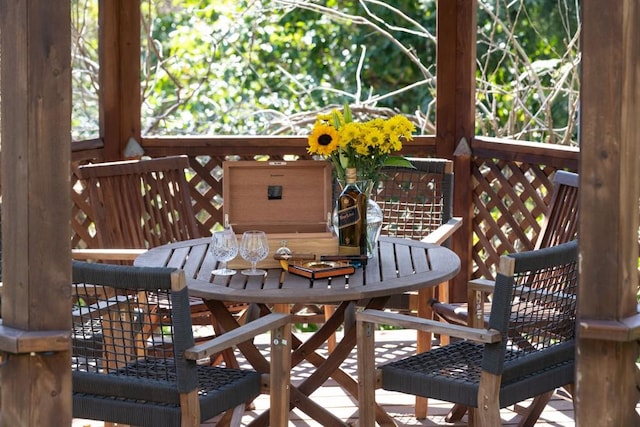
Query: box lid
[278, 196]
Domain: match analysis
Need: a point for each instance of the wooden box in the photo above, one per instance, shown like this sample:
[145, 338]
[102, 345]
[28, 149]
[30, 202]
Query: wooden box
[290, 201]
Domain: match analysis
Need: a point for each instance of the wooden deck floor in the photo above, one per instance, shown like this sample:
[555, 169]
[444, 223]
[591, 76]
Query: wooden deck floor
[392, 345]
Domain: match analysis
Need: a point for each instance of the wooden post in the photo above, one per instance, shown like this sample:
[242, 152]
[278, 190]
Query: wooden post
[609, 194]
[35, 79]
[455, 124]
[120, 97]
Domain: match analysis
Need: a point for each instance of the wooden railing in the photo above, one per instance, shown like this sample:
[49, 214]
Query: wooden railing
[511, 191]
[511, 184]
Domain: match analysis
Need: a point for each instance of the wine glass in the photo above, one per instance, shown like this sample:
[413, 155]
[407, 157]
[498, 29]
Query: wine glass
[224, 246]
[254, 247]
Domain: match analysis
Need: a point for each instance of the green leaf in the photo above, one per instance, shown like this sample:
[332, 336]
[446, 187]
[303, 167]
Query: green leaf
[398, 161]
[348, 118]
[336, 121]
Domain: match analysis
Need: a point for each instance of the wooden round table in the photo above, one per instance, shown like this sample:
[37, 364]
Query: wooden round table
[399, 265]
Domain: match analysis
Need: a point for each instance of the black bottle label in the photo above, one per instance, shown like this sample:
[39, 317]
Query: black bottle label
[348, 216]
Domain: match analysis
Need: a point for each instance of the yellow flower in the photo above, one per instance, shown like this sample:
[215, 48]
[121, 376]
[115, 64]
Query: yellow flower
[367, 146]
[349, 134]
[375, 139]
[323, 140]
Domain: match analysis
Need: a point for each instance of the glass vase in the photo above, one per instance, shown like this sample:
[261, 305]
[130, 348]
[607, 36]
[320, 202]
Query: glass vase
[374, 215]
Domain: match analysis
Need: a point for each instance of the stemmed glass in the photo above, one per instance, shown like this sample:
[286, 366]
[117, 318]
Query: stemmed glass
[254, 247]
[224, 246]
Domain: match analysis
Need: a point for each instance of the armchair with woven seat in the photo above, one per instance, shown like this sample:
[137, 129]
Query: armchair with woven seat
[515, 357]
[560, 225]
[418, 204]
[135, 361]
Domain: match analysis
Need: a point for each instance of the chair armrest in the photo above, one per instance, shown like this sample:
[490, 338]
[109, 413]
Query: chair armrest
[477, 289]
[481, 285]
[433, 326]
[238, 335]
[442, 233]
[97, 310]
[106, 254]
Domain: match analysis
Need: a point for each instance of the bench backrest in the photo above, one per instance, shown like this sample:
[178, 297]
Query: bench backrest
[140, 203]
[561, 220]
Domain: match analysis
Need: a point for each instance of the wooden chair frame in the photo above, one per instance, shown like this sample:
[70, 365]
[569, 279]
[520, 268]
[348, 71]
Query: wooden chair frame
[120, 379]
[497, 375]
[140, 204]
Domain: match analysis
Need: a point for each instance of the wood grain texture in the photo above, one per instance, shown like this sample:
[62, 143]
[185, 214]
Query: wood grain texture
[36, 120]
[610, 188]
[120, 91]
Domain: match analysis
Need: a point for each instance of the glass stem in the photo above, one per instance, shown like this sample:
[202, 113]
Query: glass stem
[253, 266]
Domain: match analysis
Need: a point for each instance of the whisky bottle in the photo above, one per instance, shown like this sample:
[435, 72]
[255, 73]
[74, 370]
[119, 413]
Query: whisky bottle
[352, 221]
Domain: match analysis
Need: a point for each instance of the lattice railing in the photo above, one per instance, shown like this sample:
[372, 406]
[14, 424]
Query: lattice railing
[510, 199]
[509, 196]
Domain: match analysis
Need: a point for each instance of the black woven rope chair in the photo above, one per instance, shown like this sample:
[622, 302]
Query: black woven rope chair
[516, 357]
[134, 355]
[417, 203]
[560, 226]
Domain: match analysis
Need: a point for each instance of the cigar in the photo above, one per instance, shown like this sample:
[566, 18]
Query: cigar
[351, 258]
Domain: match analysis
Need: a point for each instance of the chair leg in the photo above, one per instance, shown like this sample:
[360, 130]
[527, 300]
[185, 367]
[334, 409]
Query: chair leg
[456, 413]
[366, 377]
[331, 341]
[531, 413]
[488, 411]
[443, 296]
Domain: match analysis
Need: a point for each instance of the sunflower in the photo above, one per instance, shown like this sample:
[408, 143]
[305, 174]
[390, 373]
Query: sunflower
[366, 146]
[323, 140]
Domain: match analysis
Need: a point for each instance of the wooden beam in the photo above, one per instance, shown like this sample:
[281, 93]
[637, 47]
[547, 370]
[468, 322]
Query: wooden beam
[610, 190]
[120, 97]
[17, 341]
[35, 79]
[455, 124]
[625, 330]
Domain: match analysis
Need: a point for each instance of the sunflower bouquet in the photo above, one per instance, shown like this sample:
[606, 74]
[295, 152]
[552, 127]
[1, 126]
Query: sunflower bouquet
[366, 146]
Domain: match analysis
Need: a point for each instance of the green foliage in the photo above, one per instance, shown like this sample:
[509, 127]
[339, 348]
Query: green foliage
[84, 74]
[268, 66]
[528, 82]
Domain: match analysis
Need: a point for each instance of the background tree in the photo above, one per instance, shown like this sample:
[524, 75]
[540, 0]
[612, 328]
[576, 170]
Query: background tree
[268, 66]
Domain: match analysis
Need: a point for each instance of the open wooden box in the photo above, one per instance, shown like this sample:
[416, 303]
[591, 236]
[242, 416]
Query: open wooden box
[290, 201]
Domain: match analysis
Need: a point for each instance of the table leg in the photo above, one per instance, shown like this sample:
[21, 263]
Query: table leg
[307, 350]
[260, 364]
[330, 367]
[423, 343]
